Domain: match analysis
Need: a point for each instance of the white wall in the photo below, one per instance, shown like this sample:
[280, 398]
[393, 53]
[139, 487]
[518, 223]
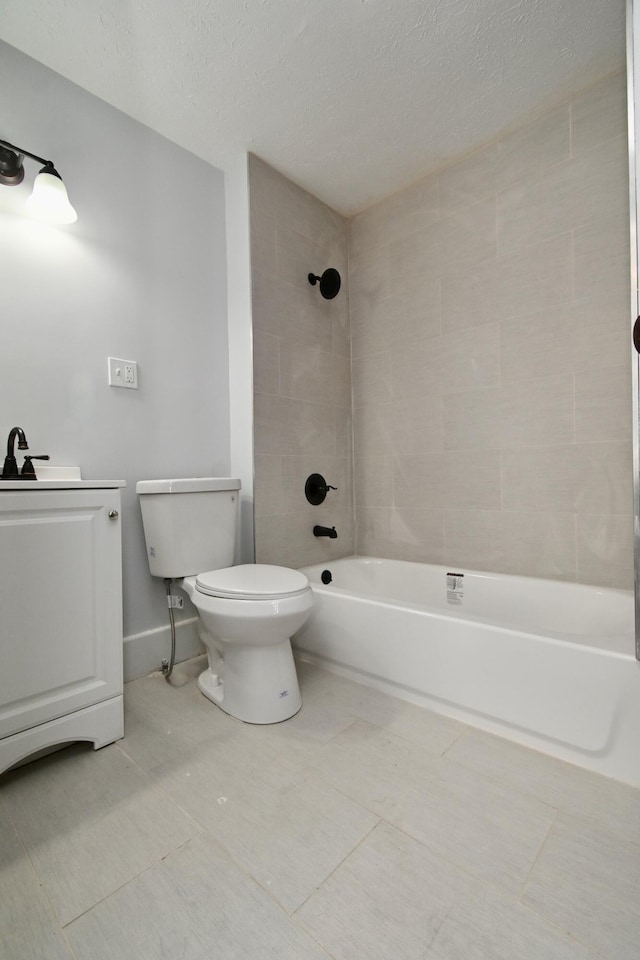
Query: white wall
[141, 275]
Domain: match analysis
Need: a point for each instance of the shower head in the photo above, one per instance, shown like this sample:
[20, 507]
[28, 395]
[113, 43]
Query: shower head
[329, 283]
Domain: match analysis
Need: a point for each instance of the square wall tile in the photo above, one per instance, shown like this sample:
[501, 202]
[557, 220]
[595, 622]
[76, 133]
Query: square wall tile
[473, 539]
[468, 180]
[266, 363]
[603, 405]
[599, 114]
[537, 412]
[466, 236]
[538, 344]
[508, 286]
[371, 377]
[539, 544]
[581, 477]
[570, 195]
[526, 153]
[374, 481]
[399, 427]
[471, 420]
[605, 550]
[269, 484]
[308, 373]
[601, 267]
[469, 478]
[470, 359]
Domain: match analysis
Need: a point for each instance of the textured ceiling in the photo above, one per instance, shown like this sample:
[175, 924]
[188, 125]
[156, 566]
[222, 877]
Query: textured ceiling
[352, 99]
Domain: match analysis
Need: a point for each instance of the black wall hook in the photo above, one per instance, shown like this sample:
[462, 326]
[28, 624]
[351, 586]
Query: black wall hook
[329, 283]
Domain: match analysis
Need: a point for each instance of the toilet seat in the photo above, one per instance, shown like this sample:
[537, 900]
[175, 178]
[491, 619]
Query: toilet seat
[252, 581]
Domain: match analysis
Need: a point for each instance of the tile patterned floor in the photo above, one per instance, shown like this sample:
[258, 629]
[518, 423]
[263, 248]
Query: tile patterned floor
[363, 828]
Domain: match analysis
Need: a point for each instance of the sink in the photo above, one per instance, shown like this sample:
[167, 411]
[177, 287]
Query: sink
[53, 471]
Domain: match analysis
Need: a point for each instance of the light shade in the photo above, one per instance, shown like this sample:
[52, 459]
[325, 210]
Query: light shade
[49, 200]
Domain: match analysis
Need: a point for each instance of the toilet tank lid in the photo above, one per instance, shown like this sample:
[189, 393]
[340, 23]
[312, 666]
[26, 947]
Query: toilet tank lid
[252, 581]
[188, 485]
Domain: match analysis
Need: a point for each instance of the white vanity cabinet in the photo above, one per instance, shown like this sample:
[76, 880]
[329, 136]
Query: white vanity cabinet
[60, 616]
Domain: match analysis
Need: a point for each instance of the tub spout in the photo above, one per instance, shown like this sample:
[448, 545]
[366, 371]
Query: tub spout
[325, 532]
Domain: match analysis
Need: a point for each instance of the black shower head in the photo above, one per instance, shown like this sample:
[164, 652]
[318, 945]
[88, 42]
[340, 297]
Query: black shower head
[329, 283]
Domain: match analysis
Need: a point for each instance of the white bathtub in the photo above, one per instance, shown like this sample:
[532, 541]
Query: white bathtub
[544, 663]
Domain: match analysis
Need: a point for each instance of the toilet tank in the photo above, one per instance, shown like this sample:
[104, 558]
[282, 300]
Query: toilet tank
[190, 524]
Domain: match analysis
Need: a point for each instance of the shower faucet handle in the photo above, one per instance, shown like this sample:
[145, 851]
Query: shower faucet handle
[316, 489]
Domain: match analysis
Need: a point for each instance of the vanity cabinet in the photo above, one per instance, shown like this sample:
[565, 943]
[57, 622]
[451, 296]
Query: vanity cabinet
[60, 617]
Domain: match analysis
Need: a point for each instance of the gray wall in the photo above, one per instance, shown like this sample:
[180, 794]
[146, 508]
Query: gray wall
[141, 275]
[302, 384]
[491, 355]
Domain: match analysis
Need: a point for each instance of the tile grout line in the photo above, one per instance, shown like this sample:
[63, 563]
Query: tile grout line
[42, 885]
[346, 857]
[141, 873]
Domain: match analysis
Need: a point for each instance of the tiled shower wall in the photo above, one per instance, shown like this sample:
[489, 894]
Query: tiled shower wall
[491, 357]
[302, 384]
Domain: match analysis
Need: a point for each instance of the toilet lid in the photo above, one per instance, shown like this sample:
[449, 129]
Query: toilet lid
[252, 581]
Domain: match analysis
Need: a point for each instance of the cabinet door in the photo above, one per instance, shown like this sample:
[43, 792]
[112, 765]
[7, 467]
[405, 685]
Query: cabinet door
[60, 603]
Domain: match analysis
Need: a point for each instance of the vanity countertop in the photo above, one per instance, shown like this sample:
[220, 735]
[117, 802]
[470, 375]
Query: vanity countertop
[30, 485]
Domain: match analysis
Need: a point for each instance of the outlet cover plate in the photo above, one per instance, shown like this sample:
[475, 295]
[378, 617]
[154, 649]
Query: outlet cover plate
[123, 373]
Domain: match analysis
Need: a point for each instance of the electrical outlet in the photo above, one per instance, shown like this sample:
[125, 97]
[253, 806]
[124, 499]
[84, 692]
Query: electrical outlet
[123, 373]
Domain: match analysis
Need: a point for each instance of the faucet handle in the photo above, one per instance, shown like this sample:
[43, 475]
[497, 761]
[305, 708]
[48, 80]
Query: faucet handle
[28, 471]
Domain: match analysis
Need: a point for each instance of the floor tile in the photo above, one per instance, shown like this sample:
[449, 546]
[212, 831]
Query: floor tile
[28, 928]
[277, 818]
[387, 899]
[466, 817]
[487, 926]
[616, 805]
[431, 731]
[586, 880]
[365, 824]
[488, 830]
[194, 905]
[90, 821]
[393, 897]
[166, 720]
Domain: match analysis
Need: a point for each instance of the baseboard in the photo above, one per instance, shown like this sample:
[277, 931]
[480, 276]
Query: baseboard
[144, 652]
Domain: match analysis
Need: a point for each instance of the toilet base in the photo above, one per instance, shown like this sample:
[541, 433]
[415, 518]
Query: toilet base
[254, 684]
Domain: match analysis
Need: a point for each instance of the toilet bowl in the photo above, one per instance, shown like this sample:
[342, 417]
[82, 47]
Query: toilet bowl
[247, 615]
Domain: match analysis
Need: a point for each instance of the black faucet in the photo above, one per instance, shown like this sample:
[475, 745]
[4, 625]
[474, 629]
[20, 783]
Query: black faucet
[325, 532]
[10, 469]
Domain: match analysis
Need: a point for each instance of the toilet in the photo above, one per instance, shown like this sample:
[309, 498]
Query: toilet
[246, 613]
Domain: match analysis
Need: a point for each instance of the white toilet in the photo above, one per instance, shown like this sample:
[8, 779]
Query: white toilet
[246, 613]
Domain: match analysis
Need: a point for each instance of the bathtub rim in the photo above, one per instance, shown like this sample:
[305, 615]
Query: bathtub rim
[622, 645]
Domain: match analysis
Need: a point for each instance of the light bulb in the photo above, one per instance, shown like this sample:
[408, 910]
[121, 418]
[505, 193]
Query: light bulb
[49, 200]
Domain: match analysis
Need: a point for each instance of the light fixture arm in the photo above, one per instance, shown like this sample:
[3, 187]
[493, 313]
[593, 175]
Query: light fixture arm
[26, 153]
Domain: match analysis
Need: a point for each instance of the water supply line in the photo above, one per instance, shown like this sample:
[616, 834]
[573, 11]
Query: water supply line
[167, 665]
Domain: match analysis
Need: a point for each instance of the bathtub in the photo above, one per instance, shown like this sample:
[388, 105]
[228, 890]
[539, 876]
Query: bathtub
[547, 664]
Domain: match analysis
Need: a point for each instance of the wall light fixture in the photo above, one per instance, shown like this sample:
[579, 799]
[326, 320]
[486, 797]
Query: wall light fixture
[48, 200]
